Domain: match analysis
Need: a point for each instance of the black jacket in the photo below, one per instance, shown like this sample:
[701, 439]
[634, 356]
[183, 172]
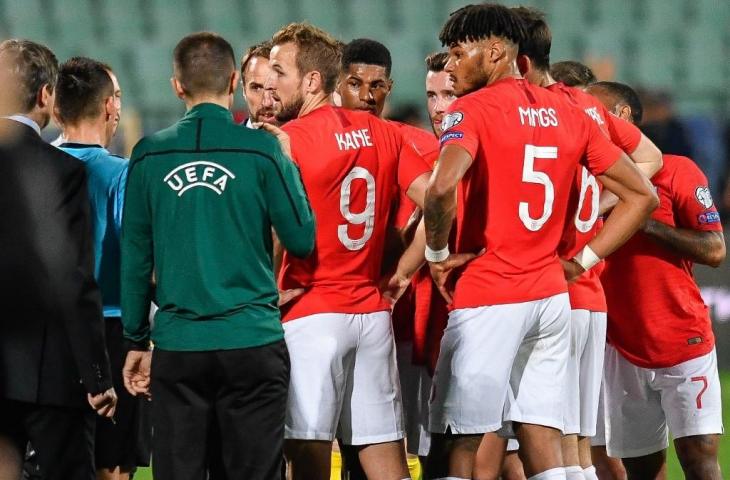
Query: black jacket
[52, 348]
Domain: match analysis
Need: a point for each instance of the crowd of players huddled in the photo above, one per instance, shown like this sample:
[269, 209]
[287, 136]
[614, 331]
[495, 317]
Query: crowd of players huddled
[508, 296]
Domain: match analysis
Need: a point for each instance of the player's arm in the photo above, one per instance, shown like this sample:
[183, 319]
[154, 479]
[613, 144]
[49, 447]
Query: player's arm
[137, 259]
[637, 146]
[707, 248]
[642, 151]
[289, 210]
[636, 201]
[413, 176]
[119, 190]
[440, 201]
[417, 189]
[647, 156]
[697, 235]
[439, 212]
[278, 253]
[409, 263]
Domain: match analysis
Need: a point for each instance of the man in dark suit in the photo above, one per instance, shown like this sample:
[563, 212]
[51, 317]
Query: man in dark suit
[53, 361]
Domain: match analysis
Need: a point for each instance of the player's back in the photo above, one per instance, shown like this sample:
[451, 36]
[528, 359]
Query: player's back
[349, 162]
[107, 177]
[660, 319]
[526, 143]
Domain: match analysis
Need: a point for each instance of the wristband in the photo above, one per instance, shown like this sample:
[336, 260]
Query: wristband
[436, 256]
[586, 258]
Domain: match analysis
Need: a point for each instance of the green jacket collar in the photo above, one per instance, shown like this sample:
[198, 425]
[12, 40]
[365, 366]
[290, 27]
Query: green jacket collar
[208, 110]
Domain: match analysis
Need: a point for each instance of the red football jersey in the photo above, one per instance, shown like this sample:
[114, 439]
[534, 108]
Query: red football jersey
[427, 145]
[587, 293]
[421, 313]
[526, 143]
[656, 316]
[353, 166]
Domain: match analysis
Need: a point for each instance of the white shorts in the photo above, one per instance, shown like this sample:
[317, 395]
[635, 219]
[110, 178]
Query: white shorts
[585, 370]
[415, 383]
[599, 439]
[488, 353]
[344, 379]
[642, 404]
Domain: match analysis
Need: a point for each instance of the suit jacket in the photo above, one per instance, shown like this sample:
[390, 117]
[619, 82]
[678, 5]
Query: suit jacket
[52, 346]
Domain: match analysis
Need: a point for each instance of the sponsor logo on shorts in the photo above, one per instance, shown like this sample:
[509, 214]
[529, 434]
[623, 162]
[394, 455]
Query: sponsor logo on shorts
[708, 218]
[703, 196]
[451, 136]
[451, 120]
[694, 340]
[198, 174]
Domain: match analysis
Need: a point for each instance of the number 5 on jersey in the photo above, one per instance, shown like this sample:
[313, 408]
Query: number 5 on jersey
[529, 175]
[367, 216]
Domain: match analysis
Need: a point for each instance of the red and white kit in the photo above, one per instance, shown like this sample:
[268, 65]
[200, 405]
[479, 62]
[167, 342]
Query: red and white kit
[508, 332]
[587, 300]
[661, 366]
[339, 335]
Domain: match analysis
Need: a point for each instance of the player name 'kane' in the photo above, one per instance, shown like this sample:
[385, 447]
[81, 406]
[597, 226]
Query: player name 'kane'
[198, 174]
[354, 139]
[544, 117]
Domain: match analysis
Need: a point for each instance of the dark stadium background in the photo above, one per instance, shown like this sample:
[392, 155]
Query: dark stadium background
[675, 51]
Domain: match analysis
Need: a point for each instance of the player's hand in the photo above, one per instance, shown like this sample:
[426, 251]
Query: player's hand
[280, 135]
[286, 296]
[105, 403]
[393, 288]
[136, 372]
[440, 271]
[571, 270]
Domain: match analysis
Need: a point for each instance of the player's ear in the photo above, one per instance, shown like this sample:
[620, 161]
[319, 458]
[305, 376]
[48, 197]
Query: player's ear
[497, 50]
[390, 84]
[624, 112]
[177, 88]
[109, 107]
[234, 82]
[313, 81]
[45, 96]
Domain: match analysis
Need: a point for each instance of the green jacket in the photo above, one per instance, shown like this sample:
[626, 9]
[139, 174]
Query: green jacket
[202, 197]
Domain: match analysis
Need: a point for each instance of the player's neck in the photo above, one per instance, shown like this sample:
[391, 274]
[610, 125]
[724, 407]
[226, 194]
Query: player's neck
[86, 133]
[313, 102]
[505, 70]
[545, 79]
[221, 100]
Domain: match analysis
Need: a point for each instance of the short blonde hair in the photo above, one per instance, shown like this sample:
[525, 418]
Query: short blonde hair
[317, 50]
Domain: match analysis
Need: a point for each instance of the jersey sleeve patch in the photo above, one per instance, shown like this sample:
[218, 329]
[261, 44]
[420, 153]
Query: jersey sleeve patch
[708, 218]
[703, 196]
[445, 137]
[451, 120]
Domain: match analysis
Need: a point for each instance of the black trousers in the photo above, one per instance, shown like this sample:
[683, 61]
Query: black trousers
[226, 404]
[62, 437]
[126, 443]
